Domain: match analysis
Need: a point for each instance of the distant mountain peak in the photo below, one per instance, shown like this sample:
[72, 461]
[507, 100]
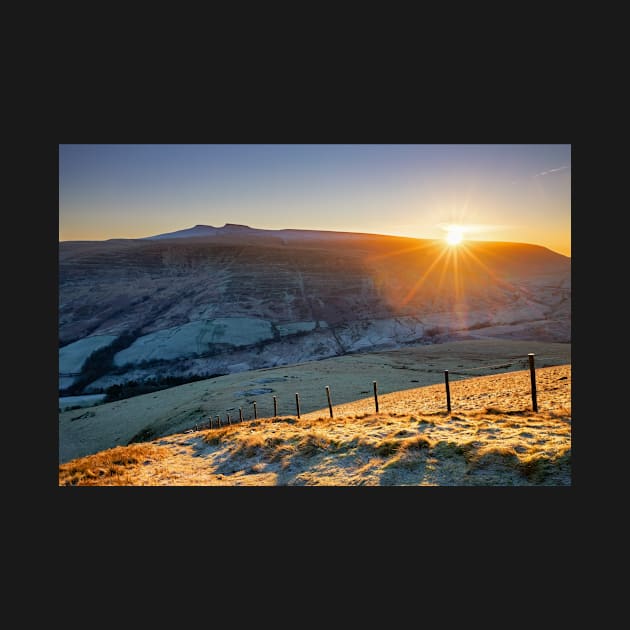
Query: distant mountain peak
[235, 226]
[206, 230]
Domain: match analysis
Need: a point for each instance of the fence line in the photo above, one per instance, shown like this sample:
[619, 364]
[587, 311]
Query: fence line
[530, 360]
[521, 363]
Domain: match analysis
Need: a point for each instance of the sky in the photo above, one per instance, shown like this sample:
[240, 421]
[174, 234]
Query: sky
[495, 192]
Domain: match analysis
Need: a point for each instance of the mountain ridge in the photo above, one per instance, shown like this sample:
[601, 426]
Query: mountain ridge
[202, 230]
[132, 310]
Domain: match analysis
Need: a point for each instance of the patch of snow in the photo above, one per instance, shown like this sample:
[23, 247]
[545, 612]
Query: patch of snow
[73, 356]
[378, 333]
[294, 327]
[195, 338]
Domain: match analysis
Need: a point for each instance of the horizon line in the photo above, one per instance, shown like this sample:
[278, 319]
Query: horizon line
[242, 225]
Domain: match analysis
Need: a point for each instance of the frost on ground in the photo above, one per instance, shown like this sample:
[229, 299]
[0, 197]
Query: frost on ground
[67, 402]
[195, 338]
[73, 356]
[491, 438]
[349, 377]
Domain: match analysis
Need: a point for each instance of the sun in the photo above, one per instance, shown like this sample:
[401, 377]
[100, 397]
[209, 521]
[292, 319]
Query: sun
[454, 235]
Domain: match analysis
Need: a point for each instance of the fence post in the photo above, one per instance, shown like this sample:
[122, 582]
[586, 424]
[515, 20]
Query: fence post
[229, 419]
[375, 396]
[448, 391]
[255, 412]
[218, 421]
[240, 414]
[329, 403]
[297, 403]
[532, 373]
[275, 407]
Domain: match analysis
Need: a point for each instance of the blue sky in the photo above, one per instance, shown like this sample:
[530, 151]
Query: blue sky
[518, 193]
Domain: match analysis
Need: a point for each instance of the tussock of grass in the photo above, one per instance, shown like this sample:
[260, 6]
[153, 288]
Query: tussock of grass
[327, 420]
[216, 437]
[436, 414]
[400, 433]
[534, 466]
[283, 452]
[256, 444]
[495, 411]
[502, 456]
[491, 411]
[408, 453]
[346, 445]
[314, 443]
[406, 460]
[108, 467]
[418, 442]
[537, 468]
[386, 447]
[448, 449]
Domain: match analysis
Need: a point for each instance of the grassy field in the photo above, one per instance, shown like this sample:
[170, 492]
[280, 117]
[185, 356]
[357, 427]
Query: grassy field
[88, 431]
[491, 438]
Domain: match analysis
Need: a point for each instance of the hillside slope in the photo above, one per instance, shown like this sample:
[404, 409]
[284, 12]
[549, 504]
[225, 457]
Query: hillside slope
[245, 299]
[491, 438]
[350, 378]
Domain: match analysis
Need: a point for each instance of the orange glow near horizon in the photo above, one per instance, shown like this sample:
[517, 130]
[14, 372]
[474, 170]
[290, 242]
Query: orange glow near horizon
[496, 192]
[559, 242]
[452, 271]
[454, 235]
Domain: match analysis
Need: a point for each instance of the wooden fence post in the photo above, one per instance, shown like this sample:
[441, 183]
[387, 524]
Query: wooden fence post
[375, 396]
[255, 412]
[329, 403]
[275, 407]
[448, 391]
[240, 414]
[218, 421]
[532, 374]
[229, 419]
[297, 403]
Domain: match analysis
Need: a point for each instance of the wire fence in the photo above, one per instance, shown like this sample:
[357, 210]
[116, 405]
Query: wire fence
[229, 418]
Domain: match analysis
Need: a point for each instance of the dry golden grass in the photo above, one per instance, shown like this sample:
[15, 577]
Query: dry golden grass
[493, 444]
[110, 467]
[177, 409]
